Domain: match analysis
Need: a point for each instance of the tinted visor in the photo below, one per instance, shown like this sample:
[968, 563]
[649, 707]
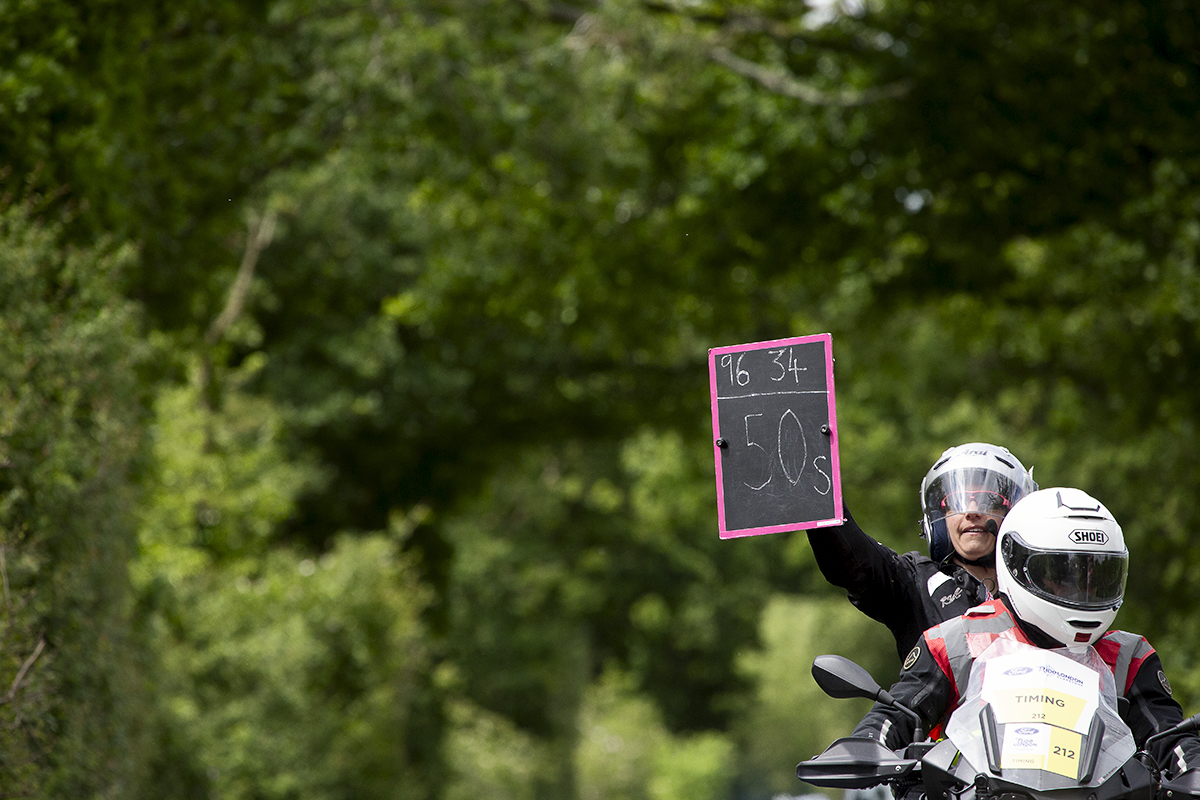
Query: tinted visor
[970, 491]
[1068, 578]
[979, 500]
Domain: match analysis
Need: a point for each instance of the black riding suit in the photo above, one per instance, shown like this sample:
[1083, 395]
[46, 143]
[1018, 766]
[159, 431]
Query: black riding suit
[908, 593]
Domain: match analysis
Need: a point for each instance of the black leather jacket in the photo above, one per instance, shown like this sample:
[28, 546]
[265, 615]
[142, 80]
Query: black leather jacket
[906, 592]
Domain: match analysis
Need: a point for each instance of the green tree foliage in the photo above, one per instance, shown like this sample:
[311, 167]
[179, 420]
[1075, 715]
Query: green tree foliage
[74, 705]
[478, 252]
[422, 361]
[302, 677]
[489, 755]
[789, 717]
[601, 556]
[626, 752]
[284, 674]
[153, 122]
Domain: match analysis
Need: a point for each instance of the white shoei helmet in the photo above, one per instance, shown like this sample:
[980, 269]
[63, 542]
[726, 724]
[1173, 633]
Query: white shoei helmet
[1062, 563]
[970, 477]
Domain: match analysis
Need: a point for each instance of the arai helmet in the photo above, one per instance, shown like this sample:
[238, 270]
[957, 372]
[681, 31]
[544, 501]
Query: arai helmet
[1062, 563]
[970, 477]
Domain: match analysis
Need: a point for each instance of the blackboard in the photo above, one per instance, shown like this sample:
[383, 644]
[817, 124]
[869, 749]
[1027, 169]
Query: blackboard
[775, 436]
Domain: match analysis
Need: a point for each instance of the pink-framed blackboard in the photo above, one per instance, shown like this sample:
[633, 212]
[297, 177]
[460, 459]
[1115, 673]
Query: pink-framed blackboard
[775, 439]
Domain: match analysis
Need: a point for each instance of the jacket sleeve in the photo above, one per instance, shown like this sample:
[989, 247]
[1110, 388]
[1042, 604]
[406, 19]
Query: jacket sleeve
[1152, 709]
[870, 572]
[923, 687]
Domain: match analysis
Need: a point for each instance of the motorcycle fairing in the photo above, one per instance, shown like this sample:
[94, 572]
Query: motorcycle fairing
[1047, 708]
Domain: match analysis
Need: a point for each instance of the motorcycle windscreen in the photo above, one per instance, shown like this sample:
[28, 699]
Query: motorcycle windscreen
[1045, 709]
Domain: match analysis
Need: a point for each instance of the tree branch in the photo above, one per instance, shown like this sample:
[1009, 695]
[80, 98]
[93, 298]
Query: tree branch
[777, 81]
[782, 83]
[4, 574]
[16, 684]
[261, 232]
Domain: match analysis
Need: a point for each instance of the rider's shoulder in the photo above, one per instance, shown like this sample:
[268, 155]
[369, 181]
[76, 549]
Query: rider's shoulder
[919, 563]
[962, 624]
[1135, 642]
[987, 609]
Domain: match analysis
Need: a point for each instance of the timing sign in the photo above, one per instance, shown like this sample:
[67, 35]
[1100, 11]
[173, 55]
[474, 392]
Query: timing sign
[775, 436]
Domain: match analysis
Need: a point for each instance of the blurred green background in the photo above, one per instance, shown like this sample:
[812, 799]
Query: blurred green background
[354, 425]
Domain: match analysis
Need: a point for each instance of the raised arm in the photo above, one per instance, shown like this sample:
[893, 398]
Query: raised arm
[870, 572]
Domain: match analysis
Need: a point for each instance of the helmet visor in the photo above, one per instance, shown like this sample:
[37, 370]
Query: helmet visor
[1068, 578]
[970, 491]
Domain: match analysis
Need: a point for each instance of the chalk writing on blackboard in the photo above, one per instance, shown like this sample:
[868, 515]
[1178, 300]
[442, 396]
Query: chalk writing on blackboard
[775, 436]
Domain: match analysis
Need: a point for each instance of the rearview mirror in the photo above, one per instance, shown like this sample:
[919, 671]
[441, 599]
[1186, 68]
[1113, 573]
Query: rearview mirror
[840, 677]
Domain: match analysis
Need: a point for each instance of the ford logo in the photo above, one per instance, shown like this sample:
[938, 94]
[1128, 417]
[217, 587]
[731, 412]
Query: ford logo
[1026, 731]
[1018, 671]
[1089, 537]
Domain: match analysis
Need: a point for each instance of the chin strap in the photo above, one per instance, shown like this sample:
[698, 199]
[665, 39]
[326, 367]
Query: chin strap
[983, 561]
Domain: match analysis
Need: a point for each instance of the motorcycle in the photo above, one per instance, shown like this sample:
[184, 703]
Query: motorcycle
[1034, 725]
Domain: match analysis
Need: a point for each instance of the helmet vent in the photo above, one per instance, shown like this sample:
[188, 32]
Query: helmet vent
[1093, 509]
